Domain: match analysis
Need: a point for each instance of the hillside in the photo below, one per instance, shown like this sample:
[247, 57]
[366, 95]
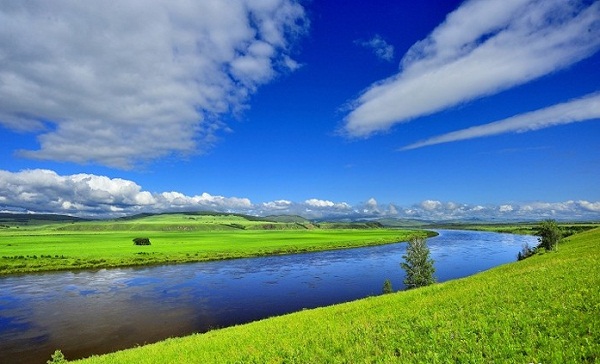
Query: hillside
[178, 221]
[544, 309]
[10, 219]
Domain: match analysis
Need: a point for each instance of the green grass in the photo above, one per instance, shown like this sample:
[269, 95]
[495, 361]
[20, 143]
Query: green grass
[175, 238]
[545, 309]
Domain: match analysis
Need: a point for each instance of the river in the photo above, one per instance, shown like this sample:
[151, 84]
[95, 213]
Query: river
[93, 312]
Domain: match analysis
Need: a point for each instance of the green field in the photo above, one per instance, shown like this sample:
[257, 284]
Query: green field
[545, 309]
[27, 246]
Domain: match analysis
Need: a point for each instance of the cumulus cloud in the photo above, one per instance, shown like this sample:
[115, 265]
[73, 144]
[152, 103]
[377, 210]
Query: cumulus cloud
[445, 211]
[431, 205]
[89, 195]
[316, 203]
[45, 191]
[590, 206]
[584, 109]
[382, 49]
[312, 208]
[279, 205]
[133, 81]
[483, 47]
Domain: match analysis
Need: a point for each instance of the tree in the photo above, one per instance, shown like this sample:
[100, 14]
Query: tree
[387, 287]
[57, 358]
[549, 235]
[417, 264]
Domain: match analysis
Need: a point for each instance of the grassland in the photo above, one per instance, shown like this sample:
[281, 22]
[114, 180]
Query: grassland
[27, 246]
[545, 309]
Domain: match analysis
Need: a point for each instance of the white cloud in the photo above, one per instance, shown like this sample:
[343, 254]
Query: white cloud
[583, 109]
[590, 206]
[369, 208]
[313, 202]
[133, 81]
[392, 210]
[483, 47]
[430, 205]
[88, 195]
[277, 205]
[439, 211]
[382, 49]
[316, 203]
[372, 203]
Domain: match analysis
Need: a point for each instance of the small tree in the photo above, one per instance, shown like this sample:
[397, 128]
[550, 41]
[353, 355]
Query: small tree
[387, 287]
[549, 235]
[57, 358]
[417, 264]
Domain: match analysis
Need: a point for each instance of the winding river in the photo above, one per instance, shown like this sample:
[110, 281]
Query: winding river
[93, 312]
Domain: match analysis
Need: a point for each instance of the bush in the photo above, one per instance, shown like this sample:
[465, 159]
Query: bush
[526, 252]
[141, 241]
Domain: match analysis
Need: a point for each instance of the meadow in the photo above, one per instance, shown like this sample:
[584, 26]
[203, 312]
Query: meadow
[544, 309]
[175, 238]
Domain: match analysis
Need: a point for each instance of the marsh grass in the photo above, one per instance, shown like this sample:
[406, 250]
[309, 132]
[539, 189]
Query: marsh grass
[545, 309]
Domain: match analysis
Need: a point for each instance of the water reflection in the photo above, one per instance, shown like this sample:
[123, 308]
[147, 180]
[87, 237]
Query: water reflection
[90, 312]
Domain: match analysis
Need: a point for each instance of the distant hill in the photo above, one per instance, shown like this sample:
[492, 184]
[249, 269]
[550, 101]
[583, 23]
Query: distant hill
[195, 213]
[402, 223]
[211, 220]
[287, 218]
[36, 219]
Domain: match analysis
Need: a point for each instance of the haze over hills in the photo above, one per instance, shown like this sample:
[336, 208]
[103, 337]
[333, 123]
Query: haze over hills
[24, 219]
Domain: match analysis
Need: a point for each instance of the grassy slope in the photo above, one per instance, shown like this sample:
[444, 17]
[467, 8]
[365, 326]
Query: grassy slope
[545, 309]
[175, 239]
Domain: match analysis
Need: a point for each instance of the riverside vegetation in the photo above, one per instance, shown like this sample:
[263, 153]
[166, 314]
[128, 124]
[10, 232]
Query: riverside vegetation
[30, 246]
[418, 264]
[545, 309]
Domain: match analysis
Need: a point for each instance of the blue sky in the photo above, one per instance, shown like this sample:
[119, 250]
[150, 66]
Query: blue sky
[431, 109]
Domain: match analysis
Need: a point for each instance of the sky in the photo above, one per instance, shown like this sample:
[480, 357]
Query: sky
[432, 109]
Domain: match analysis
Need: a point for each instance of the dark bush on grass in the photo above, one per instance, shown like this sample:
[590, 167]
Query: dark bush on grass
[526, 252]
[141, 241]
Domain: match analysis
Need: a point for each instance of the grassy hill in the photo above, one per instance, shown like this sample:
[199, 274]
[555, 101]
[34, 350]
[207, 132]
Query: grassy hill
[545, 309]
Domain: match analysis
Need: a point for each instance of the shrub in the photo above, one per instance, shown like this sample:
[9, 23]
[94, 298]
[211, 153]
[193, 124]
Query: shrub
[526, 252]
[387, 287]
[141, 241]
